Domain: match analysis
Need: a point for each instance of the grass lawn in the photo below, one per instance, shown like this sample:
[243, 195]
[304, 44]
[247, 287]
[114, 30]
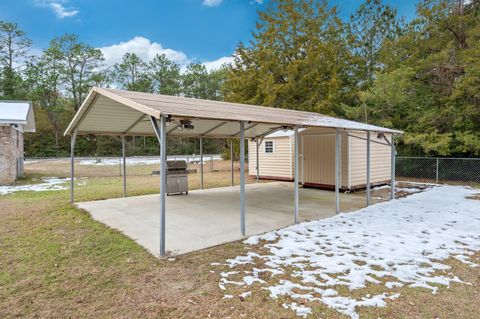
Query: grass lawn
[55, 261]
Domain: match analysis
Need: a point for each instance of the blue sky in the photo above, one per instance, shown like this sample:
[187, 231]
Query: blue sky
[185, 30]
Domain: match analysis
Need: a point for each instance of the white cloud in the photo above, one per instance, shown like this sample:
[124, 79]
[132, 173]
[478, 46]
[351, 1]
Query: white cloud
[61, 11]
[212, 3]
[142, 47]
[147, 50]
[216, 64]
[58, 7]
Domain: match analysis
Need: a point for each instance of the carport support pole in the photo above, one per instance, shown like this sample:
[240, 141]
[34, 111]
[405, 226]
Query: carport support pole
[242, 177]
[161, 134]
[337, 171]
[368, 168]
[163, 180]
[231, 163]
[124, 168]
[295, 185]
[392, 178]
[258, 161]
[201, 163]
[72, 165]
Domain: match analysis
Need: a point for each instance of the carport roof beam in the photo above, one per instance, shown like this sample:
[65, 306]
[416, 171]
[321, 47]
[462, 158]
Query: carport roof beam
[246, 129]
[134, 123]
[213, 128]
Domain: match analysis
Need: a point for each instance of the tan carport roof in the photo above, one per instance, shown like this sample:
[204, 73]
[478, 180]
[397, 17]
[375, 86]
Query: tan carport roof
[118, 112]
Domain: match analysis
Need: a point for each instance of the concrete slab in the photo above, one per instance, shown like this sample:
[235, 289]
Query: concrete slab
[206, 218]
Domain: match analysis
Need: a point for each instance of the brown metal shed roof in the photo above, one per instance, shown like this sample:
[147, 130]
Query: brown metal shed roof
[118, 112]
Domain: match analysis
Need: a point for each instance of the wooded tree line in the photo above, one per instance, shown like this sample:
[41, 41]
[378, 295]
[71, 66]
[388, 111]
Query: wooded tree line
[421, 76]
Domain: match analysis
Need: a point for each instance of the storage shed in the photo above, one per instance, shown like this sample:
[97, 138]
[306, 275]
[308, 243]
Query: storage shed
[16, 117]
[317, 158]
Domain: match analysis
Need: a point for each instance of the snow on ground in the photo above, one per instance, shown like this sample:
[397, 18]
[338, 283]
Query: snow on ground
[48, 184]
[132, 161]
[391, 244]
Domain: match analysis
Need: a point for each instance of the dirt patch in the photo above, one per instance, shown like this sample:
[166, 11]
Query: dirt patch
[476, 197]
[402, 189]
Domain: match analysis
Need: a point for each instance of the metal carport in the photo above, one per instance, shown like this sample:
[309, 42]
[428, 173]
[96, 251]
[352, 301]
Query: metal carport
[126, 113]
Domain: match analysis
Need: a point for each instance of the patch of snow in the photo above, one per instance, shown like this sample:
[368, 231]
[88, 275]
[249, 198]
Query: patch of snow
[255, 239]
[393, 284]
[405, 239]
[249, 280]
[132, 161]
[410, 190]
[245, 294]
[242, 260]
[419, 183]
[300, 310]
[226, 274]
[48, 184]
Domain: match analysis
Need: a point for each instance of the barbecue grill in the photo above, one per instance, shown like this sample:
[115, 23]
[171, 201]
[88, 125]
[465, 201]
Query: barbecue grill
[177, 178]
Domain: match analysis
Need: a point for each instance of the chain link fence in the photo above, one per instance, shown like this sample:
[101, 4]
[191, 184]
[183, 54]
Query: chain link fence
[464, 171]
[103, 166]
[141, 171]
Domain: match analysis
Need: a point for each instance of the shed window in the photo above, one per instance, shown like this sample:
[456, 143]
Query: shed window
[268, 146]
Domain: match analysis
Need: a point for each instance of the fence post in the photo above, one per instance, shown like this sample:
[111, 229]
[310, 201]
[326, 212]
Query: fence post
[436, 173]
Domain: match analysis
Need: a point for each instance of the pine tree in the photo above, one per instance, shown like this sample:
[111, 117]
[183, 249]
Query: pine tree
[132, 74]
[298, 59]
[165, 75]
[14, 46]
[80, 66]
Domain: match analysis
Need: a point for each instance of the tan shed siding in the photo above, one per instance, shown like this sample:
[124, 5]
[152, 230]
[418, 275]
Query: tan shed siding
[276, 164]
[292, 156]
[345, 156]
[320, 158]
[292, 145]
[380, 160]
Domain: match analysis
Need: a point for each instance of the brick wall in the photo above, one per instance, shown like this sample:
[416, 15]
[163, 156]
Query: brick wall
[11, 154]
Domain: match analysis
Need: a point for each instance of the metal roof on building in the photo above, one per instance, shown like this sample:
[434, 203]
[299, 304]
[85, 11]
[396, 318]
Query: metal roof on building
[118, 112]
[17, 113]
